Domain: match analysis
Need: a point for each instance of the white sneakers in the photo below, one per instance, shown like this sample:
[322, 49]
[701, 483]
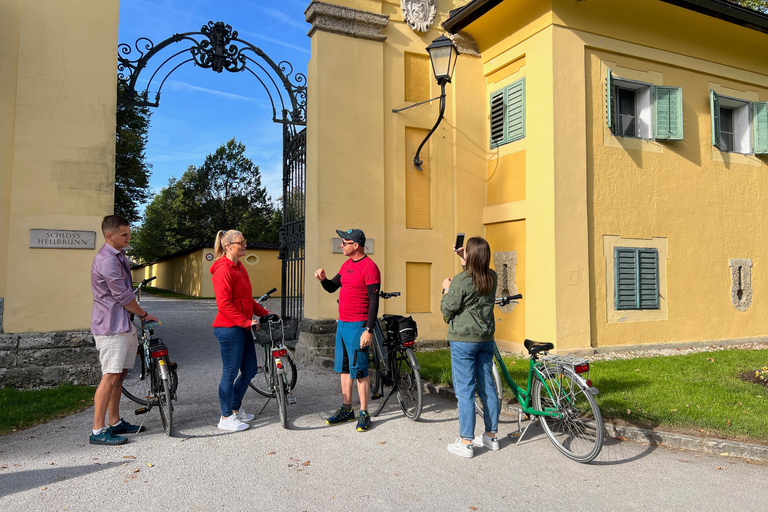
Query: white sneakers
[244, 416]
[492, 443]
[462, 450]
[232, 424]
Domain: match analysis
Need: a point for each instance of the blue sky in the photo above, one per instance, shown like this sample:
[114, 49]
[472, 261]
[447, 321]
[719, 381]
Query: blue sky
[200, 109]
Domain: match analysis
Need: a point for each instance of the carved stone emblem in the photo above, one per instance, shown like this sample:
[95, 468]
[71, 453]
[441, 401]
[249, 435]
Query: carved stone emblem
[741, 283]
[419, 14]
[506, 264]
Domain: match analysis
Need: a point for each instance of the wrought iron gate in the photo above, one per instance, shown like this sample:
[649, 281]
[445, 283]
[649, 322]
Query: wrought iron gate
[216, 46]
[294, 212]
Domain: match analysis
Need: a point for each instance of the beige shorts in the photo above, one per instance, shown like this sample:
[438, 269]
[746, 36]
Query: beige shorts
[118, 351]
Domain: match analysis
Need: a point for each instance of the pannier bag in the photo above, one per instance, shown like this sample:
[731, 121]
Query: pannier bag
[402, 329]
[280, 330]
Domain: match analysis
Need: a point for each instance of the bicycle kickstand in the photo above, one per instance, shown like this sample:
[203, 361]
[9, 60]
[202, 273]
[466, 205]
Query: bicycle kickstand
[394, 388]
[520, 433]
[264, 406]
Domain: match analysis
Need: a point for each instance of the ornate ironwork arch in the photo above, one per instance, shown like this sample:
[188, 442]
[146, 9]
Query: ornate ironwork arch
[216, 46]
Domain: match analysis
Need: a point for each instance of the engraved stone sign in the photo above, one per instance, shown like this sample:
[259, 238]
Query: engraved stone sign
[419, 14]
[336, 243]
[61, 239]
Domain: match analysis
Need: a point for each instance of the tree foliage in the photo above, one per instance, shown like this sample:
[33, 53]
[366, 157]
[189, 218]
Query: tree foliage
[223, 193]
[131, 168]
[755, 5]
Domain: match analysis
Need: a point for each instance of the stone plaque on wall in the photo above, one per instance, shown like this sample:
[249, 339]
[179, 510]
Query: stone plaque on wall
[61, 239]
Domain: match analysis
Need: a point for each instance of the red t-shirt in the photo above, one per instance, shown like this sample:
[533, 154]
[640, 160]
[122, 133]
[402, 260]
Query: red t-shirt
[353, 297]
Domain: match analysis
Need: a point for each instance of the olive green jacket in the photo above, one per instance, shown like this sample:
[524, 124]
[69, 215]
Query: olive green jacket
[469, 316]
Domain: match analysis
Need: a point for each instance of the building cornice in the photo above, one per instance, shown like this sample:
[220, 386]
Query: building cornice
[346, 21]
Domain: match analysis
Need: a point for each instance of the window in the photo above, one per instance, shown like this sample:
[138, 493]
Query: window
[644, 111]
[739, 126]
[636, 274]
[508, 114]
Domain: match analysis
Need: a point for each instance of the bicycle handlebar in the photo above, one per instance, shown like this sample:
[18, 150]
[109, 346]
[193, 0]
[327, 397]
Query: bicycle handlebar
[503, 301]
[266, 295]
[388, 295]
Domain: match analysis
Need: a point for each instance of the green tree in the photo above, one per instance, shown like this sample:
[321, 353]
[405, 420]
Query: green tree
[755, 5]
[131, 168]
[223, 193]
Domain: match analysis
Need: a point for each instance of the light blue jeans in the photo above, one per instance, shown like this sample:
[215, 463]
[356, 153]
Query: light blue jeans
[473, 363]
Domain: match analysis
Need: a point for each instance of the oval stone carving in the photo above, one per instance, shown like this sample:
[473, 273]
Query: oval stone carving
[419, 14]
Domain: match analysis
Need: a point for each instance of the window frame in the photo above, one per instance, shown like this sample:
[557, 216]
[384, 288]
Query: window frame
[512, 113]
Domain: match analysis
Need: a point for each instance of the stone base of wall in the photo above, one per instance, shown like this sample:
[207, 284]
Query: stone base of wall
[44, 359]
[317, 341]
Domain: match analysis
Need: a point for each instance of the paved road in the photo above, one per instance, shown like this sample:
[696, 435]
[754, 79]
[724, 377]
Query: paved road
[398, 465]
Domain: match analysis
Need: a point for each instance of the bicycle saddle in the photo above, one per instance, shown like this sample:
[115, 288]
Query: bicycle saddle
[534, 347]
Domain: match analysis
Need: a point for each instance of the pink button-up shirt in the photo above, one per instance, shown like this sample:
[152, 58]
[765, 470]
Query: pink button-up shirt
[112, 289]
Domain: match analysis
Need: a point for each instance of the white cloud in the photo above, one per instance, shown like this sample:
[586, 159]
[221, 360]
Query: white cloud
[276, 41]
[184, 86]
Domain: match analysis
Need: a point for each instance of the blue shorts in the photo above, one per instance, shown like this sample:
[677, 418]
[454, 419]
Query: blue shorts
[349, 357]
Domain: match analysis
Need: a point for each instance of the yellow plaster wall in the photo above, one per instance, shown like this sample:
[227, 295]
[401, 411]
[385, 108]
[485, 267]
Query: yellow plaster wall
[57, 151]
[510, 327]
[418, 293]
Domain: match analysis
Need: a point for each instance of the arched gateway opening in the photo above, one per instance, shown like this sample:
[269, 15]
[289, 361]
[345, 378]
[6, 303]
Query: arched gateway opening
[217, 47]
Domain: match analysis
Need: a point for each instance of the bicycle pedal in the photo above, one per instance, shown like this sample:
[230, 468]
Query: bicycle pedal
[142, 410]
[291, 399]
[376, 396]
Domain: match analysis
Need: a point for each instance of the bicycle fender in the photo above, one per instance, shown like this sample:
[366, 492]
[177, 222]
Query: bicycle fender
[412, 360]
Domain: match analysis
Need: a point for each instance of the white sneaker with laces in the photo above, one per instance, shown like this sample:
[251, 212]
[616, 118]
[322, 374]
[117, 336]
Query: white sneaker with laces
[232, 424]
[244, 416]
[492, 443]
[462, 450]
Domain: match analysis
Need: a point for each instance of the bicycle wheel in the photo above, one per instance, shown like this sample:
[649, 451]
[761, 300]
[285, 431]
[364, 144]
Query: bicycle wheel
[374, 371]
[579, 433]
[282, 400]
[136, 382]
[164, 402]
[262, 381]
[409, 391]
[498, 392]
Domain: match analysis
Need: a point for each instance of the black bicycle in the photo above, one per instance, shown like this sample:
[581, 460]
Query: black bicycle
[153, 379]
[276, 374]
[396, 364]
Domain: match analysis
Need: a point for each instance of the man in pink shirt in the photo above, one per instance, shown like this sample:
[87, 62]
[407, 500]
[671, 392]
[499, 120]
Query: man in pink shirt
[116, 337]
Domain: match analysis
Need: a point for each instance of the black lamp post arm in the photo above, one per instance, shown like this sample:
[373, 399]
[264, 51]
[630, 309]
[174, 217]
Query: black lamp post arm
[416, 160]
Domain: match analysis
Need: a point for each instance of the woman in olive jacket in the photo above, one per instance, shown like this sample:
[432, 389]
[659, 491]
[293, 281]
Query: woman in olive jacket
[467, 306]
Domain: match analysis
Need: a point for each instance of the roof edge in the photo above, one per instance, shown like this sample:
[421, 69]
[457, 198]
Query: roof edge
[466, 14]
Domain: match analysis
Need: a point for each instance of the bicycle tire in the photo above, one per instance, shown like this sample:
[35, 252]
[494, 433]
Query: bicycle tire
[262, 381]
[499, 391]
[410, 394]
[164, 401]
[136, 382]
[579, 433]
[282, 400]
[374, 371]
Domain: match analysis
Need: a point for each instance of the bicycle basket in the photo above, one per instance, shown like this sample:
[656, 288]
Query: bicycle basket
[282, 330]
[402, 329]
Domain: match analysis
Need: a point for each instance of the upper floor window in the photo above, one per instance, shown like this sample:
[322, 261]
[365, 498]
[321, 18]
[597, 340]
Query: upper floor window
[739, 126]
[508, 114]
[643, 111]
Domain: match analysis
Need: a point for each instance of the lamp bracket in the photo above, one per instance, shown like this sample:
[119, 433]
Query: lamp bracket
[396, 110]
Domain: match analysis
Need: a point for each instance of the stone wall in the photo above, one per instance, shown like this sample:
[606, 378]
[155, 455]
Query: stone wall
[317, 342]
[44, 359]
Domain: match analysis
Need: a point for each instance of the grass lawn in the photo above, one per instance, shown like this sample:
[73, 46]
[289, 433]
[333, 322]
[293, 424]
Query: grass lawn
[24, 409]
[700, 392]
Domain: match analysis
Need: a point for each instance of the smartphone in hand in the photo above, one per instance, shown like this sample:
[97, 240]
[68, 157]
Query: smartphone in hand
[459, 240]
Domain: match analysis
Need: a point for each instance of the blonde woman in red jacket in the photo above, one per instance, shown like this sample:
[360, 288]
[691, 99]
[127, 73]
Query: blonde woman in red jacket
[234, 300]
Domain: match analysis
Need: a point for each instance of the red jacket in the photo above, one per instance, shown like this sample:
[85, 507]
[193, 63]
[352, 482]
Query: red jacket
[234, 295]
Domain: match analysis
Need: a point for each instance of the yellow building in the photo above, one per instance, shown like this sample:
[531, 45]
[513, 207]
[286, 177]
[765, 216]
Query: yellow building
[610, 152]
[189, 272]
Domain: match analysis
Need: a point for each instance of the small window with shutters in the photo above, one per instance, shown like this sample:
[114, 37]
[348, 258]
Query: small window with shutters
[636, 274]
[508, 114]
[739, 126]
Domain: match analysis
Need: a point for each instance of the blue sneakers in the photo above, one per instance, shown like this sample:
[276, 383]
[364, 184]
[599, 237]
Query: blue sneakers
[363, 421]
[126, 428]
[106, 437]
[342, 416]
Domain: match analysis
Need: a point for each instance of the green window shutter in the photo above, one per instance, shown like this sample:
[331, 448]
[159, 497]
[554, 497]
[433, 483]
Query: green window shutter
[497, 118]
[636, 278]
[760, 126]
[714, 108]
[648, 279]
[610, 102]
[515, 100]
[668, 113]
[625, 272]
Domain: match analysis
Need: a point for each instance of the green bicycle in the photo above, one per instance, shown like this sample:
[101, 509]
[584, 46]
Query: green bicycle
[559, 395]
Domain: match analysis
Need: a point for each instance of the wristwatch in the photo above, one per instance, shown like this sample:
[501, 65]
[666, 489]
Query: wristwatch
[368, 329]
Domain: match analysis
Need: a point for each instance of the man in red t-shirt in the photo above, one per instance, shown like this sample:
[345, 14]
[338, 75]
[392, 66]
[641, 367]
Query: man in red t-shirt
[360, 281]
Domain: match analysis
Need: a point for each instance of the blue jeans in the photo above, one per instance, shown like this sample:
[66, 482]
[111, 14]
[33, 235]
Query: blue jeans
[237, 354]
[470, 363]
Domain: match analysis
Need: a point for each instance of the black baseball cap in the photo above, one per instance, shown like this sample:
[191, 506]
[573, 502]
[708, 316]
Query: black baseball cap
[356, 235]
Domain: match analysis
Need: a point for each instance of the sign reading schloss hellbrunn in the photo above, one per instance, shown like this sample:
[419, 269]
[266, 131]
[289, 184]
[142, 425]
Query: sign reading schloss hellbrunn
[61, 239]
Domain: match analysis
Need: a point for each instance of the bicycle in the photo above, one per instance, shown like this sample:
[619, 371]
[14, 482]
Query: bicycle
[400, 363]
[558, 395]
[276, 374]
[153, 379]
